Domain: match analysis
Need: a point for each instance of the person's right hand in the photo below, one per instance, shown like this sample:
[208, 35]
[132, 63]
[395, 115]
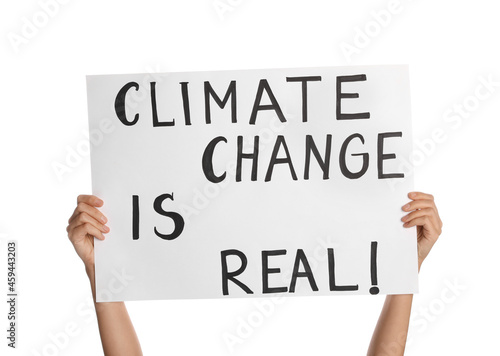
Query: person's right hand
[85, 223]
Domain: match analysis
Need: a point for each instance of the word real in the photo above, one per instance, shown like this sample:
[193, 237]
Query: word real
[301, 263]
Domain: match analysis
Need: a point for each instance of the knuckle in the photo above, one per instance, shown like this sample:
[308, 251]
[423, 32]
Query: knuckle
[77, 230]
[80, 218]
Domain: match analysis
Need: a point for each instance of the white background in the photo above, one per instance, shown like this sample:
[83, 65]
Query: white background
[451, 47]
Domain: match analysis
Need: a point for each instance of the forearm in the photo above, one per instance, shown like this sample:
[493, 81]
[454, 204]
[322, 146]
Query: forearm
[389, 337]
[118, 336]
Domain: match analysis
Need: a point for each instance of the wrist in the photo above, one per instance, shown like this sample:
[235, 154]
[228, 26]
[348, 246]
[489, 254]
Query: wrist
[90, 269]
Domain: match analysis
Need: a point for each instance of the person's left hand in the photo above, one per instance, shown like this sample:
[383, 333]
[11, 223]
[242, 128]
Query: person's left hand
[424, 215]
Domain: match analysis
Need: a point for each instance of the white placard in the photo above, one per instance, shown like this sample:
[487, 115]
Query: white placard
[253, 183]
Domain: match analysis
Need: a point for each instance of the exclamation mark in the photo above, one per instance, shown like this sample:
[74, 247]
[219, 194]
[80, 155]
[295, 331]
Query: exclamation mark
[373, 268]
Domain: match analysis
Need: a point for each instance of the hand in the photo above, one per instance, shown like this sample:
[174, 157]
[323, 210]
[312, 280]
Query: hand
[424, 215]
[85, 223]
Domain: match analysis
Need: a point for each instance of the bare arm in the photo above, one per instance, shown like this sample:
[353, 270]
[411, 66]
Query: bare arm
[389, 336]
[118, 336]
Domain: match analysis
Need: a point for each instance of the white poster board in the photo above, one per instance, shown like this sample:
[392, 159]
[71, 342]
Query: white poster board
[253, 183]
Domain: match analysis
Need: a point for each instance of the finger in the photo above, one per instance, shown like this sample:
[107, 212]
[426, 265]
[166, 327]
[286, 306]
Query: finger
[91, 200]
[72, 216]
[424, 221]
[81, 231]
[86, 218]
[419, 204]
[430, 212]
[83, 207]
[94, 212]
[420, 195]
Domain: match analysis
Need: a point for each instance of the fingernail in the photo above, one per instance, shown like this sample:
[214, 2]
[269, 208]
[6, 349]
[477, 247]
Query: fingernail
[104, 220]
[105, 228]
[406, 207]
[413, 194]
[405, 224]
[99, 202]
[404, 218]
